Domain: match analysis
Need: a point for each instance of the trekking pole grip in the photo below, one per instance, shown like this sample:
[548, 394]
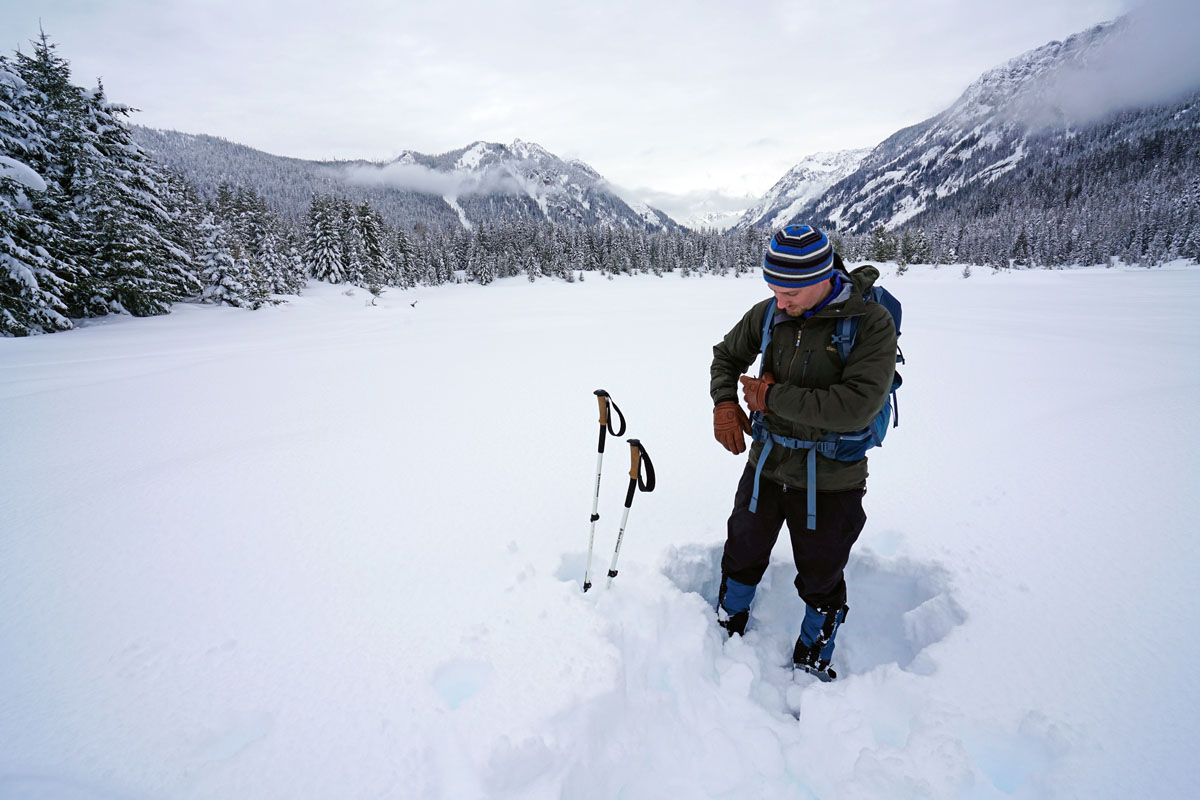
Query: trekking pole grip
[639, 458]
[607, 406]
[641, 468]
[602, 399]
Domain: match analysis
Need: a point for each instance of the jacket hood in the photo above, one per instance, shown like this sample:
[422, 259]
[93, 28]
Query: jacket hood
[864, 278]
[860, 280]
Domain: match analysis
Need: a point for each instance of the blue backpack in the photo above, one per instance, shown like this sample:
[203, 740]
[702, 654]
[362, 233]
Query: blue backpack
[848, 446]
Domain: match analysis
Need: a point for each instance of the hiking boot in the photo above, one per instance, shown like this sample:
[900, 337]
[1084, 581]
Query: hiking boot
[808, 658]
[733, 623]
[738, 596]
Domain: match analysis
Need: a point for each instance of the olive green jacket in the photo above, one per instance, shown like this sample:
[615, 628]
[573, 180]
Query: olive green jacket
[814, 393]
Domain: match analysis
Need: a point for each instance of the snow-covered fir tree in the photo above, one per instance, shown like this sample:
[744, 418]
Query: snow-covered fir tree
[97, 230]
[227, 277]
[32, 280]
[323, 242]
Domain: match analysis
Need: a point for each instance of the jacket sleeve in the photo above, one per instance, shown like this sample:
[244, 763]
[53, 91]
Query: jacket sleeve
[866, 381]
[735, 353]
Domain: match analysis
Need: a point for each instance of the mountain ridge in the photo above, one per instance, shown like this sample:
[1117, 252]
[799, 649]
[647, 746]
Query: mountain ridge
[465, 186]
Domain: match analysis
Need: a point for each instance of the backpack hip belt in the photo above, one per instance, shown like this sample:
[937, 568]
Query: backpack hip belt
[826, 447]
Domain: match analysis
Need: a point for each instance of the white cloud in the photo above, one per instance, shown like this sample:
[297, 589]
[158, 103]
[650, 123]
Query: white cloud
[691, 208]
[1154, 58]
[419, 178]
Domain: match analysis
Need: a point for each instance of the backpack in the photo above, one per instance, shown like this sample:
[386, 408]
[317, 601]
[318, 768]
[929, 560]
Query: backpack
[847, 446]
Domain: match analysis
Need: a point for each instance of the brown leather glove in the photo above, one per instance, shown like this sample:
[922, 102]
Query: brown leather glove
[730, 426]
[754, 390]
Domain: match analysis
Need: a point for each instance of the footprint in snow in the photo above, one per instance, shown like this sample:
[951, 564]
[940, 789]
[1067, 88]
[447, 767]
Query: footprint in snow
[460, 679]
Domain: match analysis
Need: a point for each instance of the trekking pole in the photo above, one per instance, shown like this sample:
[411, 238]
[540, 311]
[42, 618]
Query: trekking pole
[637, 457]
[605, 403]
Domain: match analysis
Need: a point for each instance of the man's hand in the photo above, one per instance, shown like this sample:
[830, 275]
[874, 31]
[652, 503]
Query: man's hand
[730, 426]
[754, 390]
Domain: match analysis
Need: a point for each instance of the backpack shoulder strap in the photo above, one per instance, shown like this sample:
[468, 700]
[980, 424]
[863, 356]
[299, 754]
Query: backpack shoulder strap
[768, 326]
[847, 331]
[847, 327]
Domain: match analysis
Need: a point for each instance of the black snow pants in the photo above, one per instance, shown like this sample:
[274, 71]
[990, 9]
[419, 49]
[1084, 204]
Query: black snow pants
[820, 554]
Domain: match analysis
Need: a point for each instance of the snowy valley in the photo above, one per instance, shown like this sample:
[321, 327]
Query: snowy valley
[333, 548]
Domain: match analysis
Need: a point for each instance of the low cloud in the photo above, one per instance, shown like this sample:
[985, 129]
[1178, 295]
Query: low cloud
[422, 179]
[1153, 57]
[695, 208]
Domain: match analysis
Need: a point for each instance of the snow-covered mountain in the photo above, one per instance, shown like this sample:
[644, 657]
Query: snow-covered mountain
[711, 220]
[475, 179]
[1039, 141]
[479, 182]
[981, 137]
[802, 185]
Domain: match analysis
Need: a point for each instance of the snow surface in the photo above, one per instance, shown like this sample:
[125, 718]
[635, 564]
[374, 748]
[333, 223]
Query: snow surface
[331, 549]
[21, 173]
[473, 156]
[462, 215]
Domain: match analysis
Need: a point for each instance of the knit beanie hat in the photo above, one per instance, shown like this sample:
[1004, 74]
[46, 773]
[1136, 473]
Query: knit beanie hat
[798, 256]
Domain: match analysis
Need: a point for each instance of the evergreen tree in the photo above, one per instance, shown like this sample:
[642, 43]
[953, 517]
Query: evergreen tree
[58, 109]
[137, 267]
[369, 227]
[323, 245]
[882, 246]
[402, 259]
[227, 276]
[353, 264]
[106, 198]
[32, 280]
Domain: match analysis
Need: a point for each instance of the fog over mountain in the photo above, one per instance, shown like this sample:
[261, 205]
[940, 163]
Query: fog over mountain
[482, 181]
[1154, 59]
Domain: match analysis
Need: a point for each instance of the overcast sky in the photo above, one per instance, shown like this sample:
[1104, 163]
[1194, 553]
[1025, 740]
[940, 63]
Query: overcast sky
[676, 101]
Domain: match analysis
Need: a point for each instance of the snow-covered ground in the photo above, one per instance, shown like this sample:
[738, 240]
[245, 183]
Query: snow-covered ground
[333, 549]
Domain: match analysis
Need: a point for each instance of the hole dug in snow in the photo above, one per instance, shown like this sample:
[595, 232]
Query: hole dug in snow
[898, 607]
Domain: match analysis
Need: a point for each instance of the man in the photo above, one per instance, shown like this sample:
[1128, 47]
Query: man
[805, 393]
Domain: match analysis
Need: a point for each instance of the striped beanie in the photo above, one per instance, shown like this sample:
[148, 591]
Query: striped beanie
[798, 256]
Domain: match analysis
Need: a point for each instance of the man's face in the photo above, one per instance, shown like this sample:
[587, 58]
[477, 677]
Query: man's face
[796, 301]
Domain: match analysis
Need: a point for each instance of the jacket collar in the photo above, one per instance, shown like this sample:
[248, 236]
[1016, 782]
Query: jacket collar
[837, 305]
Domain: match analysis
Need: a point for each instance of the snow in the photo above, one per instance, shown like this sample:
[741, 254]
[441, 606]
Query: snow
[21, 173]
[644, 211]
[1007, 164]
[804, 183]
[462, 215]
[472, 157]
[330, 549]
[699, 219]
[906, 209]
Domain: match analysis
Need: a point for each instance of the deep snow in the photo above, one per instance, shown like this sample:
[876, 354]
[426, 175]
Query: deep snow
[332, 549]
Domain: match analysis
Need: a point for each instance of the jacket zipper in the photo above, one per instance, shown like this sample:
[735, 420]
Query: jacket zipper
[792, 360]
[804, 365]
[807, 356]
